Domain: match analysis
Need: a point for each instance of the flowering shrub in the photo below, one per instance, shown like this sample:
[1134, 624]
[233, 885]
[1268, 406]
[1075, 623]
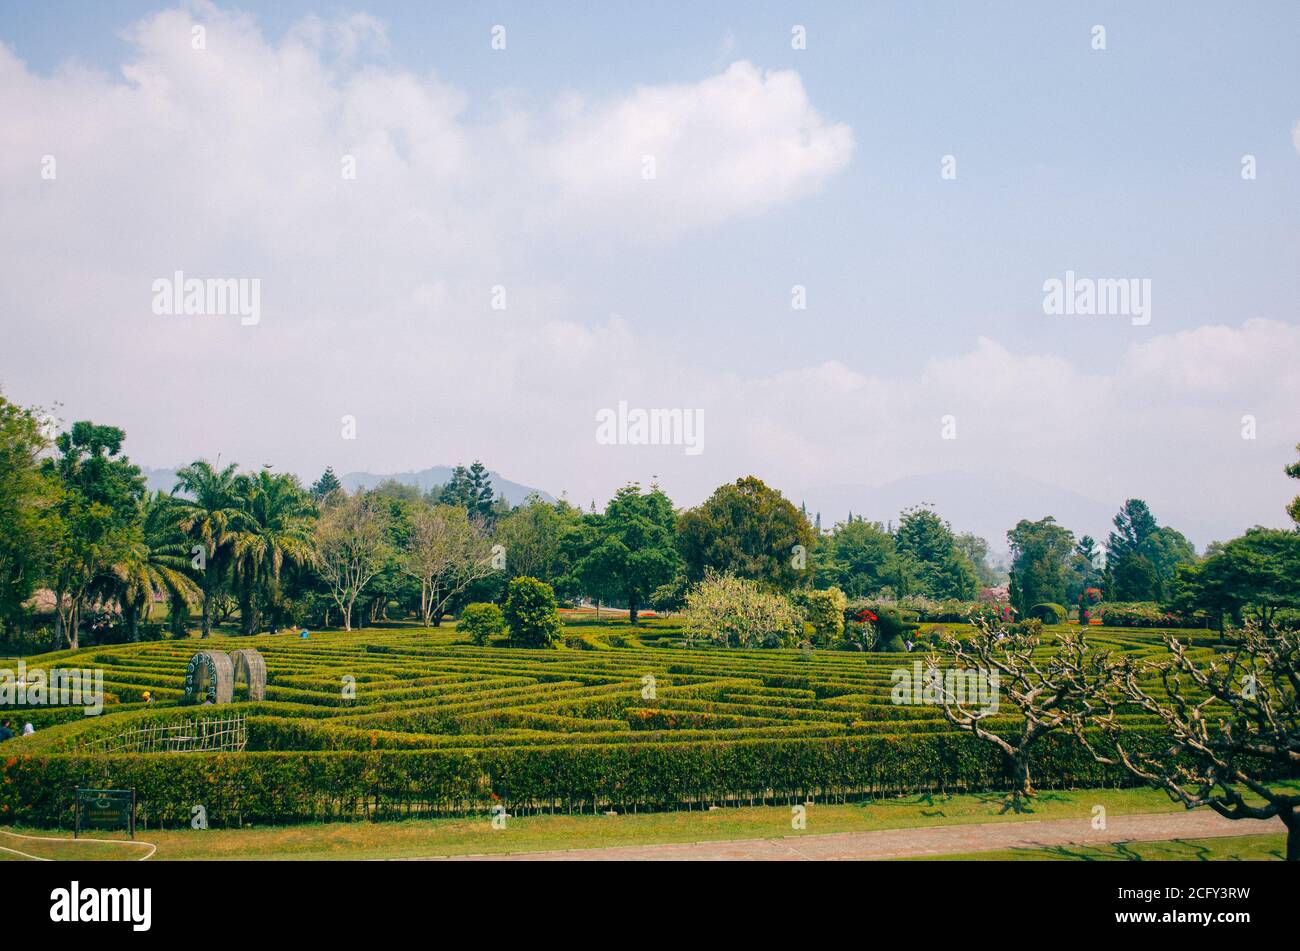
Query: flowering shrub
[736, 612]
[992, 611]
[824, 611]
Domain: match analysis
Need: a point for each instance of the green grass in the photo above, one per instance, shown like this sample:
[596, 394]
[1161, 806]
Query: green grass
[436, 837]
[1244, 848]
[83, 849]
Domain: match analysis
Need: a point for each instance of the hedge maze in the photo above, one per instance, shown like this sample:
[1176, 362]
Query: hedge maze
[401, 722]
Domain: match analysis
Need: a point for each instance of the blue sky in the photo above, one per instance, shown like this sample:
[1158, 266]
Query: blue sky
[1117, 162]
[1123, 162]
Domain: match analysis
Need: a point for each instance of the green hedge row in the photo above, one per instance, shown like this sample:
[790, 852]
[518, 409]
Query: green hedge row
[235, 787]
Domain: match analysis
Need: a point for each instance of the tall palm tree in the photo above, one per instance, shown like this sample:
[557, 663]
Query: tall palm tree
[156, 561]
[209, 518]
[274, 527]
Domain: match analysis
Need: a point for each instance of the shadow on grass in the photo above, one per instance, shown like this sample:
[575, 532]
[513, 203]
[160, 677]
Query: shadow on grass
[932, 805]
[1182, 850]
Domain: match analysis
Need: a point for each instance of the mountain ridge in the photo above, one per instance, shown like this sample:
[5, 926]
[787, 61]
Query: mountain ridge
[424, 479]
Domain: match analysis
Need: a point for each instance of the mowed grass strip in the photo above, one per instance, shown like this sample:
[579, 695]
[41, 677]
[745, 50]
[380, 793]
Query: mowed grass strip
[475, 836]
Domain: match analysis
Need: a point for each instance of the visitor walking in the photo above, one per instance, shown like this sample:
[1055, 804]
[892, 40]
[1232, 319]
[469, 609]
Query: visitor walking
[28, 729]
[6, 731]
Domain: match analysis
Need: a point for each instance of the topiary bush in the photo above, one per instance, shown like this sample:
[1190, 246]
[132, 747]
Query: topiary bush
[531, 613]
[481, 622]
[1049, 613]
[892, 625]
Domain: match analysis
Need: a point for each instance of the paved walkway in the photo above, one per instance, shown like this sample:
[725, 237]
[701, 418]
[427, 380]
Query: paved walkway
[935, 840]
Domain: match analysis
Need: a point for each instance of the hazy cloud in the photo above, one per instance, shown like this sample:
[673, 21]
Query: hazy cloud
[225, 162]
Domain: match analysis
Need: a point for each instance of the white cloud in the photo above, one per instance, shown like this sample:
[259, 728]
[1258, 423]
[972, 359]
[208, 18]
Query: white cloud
[733, 144]
[226, 162]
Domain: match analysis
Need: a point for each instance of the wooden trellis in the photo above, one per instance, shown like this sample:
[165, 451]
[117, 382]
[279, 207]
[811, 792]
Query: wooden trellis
[225, 734]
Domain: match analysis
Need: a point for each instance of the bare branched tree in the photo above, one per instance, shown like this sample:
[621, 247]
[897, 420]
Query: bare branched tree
[1049, 687]
[446, 552]
[351, 548]
[1233, 723]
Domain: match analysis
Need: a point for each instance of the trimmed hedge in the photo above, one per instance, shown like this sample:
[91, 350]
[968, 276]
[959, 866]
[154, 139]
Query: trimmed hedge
[439, 726]
[1049, 613]
[281, 787]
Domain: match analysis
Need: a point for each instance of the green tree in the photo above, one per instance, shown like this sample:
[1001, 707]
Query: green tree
[275, 526]
[976, 550]
[1130, 575]
[930, 562]
[1166, 550]
[456, 491]
[93, 521]
[209, 514]
[1254, 576]
[471, 489]
[532, 536]
[585, 575]
[156, 559]
[750, 530]
[326, 486]
[859, 558]
[1040, 563]
[631, 549]
[481, 494]
[1293, 509]
[531, 613]
[1085, 569]
[27, 500]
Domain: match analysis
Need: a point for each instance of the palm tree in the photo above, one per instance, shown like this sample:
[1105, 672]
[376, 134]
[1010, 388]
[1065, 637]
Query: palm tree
[209, 518]
[274, 527]
[156, 560]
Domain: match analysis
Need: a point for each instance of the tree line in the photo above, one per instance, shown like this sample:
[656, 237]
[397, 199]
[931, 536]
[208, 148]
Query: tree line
[259, 550]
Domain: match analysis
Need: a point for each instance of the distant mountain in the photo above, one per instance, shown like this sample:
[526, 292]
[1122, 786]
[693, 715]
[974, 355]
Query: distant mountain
[425, 479]
[991, 505]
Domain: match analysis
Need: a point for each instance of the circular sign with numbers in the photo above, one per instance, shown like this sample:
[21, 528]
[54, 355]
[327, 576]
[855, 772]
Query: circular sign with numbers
[210, 678]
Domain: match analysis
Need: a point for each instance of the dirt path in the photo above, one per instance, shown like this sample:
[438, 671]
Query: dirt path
[936, 840]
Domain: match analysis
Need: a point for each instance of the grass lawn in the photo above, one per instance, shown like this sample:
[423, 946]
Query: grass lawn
[1243, 848]
[433, 837]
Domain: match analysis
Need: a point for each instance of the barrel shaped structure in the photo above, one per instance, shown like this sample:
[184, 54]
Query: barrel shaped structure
[251, 668]
[210, 677]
